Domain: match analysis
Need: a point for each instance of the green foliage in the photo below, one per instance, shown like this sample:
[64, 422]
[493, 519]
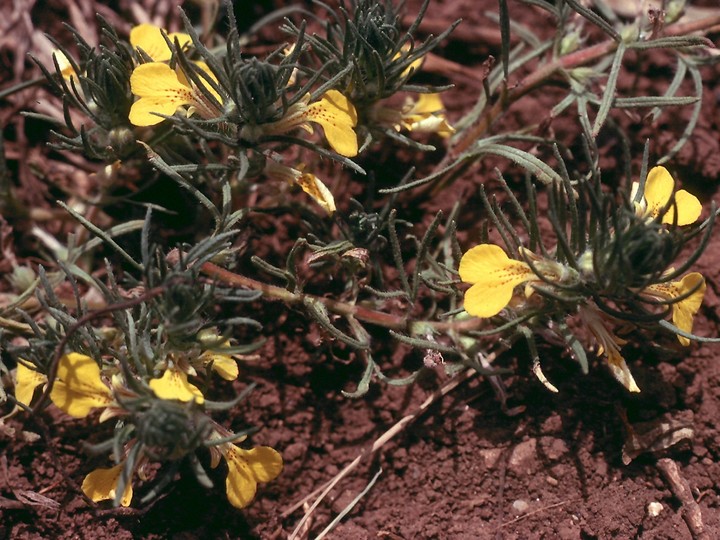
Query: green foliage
[178, 128]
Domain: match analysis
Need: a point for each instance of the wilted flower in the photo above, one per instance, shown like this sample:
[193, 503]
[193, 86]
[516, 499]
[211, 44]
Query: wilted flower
[608, 344]
[66, 68]
[308, 182]
[421, 115]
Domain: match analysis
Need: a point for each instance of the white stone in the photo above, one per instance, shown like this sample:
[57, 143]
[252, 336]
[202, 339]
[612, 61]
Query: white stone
[520, 506]
[654, 508]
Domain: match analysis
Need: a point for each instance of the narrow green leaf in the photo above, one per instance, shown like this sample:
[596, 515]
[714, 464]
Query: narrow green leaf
[672, 42]
[320, 314]
[162, 166]
[543, 172]
[674, 86]
[504, 36]
[609, 95]
[364, 384]
[698, 83]
[654, 101]
[104, 235]
[594, 18]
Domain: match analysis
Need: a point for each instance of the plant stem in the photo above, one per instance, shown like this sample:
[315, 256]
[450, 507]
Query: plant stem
[379, 318]
[569, 61]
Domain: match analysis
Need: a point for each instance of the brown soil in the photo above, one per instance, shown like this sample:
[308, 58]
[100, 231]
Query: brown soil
[464, 468]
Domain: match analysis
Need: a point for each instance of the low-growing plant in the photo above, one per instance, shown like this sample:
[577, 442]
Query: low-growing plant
[146, 309]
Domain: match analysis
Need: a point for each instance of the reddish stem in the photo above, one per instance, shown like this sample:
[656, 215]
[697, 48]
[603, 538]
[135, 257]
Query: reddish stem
[379, 318]
[569, 61]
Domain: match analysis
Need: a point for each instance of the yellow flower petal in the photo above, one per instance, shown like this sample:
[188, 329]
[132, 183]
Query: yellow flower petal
[174, 385]
[494, 276]
[338, 117]
[159, 90]
[266, 463]
[428, 104]
[75, 403]
[311, 185]
[27, 380]
[150, 39]
[658, 191]
[223, 365]
[78, 388]
[240, 485]
[684, 311]
[101, 485]
[66, 68]
[688, 209]
[206, 70]
[81, 373]
[415, 65]
[620, 371]
[248, 467]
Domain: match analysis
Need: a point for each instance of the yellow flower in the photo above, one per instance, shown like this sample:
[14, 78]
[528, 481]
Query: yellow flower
[683, 311]
[287, 51]
[26, 382]
[162, 91]
[79, 388]
[174, 385]
[222, 364]
[424, 115]
[101, 484]
[658, 192]
[149, 38]
[608, 344]
[308, 182]
[414, 66]
[246, 468]
[333, 112]
[493, 276]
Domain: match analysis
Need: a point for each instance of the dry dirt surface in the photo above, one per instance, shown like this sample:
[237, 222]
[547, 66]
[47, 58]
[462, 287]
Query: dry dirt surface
[463, 467]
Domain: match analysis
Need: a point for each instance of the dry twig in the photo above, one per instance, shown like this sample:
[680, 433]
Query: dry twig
[690, 509]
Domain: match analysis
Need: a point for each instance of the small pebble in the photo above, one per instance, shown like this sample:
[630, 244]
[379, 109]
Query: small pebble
[654, 509]
[552, 481]
[520, 506]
